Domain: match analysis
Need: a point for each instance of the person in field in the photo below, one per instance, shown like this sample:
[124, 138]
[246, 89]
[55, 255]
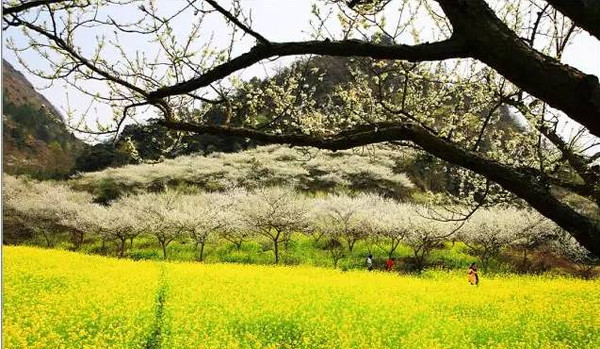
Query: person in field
[370, 262]
[472, 275]
[389, 264]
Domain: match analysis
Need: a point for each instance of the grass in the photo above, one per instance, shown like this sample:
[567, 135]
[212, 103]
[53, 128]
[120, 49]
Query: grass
[62, 299]
[301, 250]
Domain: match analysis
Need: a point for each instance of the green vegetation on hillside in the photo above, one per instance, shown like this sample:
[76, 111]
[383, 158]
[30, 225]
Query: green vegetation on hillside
[36, 141]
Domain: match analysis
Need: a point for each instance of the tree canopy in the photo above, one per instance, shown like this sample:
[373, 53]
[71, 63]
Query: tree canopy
[440, 93]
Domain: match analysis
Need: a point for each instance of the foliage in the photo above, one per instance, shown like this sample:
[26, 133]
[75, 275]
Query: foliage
[36, 141]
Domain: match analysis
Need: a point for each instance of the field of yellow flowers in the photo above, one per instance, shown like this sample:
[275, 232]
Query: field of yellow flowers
[56, 299]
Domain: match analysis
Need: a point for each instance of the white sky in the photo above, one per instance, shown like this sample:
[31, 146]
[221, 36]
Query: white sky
[277, 20]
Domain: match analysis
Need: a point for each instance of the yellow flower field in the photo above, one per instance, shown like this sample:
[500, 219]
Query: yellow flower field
[58, 299]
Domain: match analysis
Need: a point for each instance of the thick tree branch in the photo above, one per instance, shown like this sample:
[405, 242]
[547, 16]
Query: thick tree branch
[491, 41]
[29, 5]
[584, 13]
[578, 162]
[425, 52]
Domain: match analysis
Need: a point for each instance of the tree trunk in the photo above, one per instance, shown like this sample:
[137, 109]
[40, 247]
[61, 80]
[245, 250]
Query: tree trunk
[351, 243]
[131, 242]
[122, 247]
[276, 250]
[395, 244]
[164, 249]
[46, 237]
[202, 251]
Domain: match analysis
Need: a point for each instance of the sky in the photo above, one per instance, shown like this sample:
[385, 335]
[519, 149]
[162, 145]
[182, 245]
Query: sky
[277, 20]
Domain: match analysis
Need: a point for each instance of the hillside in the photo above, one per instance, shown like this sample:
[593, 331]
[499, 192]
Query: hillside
[35, 139]
[308, 170]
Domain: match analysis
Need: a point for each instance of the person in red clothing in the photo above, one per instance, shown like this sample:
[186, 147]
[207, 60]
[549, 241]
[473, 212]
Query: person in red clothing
[389, 264]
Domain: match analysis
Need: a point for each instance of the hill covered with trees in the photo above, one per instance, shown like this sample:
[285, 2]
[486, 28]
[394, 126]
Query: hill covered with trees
[35, 138]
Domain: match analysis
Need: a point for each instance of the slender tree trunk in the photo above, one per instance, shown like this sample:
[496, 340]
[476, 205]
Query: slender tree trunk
[395, 244]
[164, 248]
[80, 239]
[420, 258]
[276, 249]
[122, 247]
[351, 243]
[46, 237]
[238, 245]
[202, 251]
[131, 242]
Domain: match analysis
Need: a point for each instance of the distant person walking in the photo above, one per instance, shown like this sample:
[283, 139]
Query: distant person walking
[472, 275]
[389, 264]
[370, 262]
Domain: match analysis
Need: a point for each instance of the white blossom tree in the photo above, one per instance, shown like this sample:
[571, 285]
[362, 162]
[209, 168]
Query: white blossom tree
[233, 229]
[156, 214]
[274, 213]
[535, 231]
[391, 225]
[119, 222]
[48, 207]
[200, 216]
[488, 231]
[583, 259]
[425, 235]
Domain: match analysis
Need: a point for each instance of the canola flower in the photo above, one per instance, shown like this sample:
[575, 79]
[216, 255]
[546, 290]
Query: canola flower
[58, 299]
[239, 306]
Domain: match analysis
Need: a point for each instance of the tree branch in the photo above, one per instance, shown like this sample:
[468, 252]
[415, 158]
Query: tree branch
[584, 13]
[237, 22]
[584, 229]
[424, 52]
[495, 44]
[29, 5]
